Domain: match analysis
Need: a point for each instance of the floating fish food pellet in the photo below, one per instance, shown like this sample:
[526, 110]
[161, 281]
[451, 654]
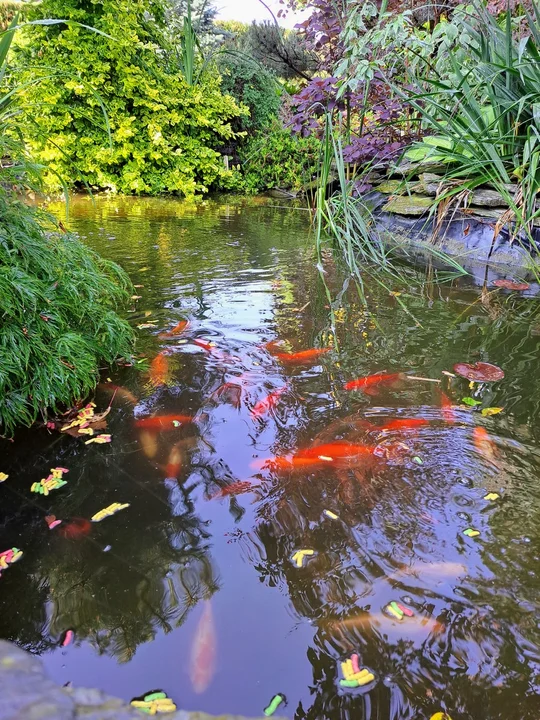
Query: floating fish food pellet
[300, 555]
[471, 532]
[353, 675]
[274, 703]
[52, 482]
[3, 476]
[67, 638]
[331, 515]
[397, 610]
[109, 511]
[8, 557]
[492, 496]
[154, 703]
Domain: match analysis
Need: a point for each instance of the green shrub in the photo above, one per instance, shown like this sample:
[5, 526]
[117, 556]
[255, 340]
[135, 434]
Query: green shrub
[253, 86]
[277, 158]
[58, 301]
[164, 133]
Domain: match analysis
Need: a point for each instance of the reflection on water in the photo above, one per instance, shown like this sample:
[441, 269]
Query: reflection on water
[198, 586]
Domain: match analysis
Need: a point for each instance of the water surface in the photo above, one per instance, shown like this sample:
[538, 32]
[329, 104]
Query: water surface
[188, 564]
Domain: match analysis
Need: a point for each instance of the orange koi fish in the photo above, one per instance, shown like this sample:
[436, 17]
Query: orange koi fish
[416, 625]
[446, 409]
[229, 392]
[204, 344]
[484, 444]
[75, 529]
[404, 424]
[235, 488]
[119, 392]
[268, 403]
[299, 358]
[274, 346]
[335, 451]
[149, 443]
[370, 381]
[176, 330]
[159, 370]
[162, 422]
[289, 463]
[203, 651]
[175, 461]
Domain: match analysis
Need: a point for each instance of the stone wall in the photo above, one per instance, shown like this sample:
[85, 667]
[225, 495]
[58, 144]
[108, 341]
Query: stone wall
[28, 694]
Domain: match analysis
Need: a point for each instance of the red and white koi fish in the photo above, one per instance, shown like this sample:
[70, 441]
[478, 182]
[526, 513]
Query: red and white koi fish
[268, 403]
[371, 381]
[203, 651]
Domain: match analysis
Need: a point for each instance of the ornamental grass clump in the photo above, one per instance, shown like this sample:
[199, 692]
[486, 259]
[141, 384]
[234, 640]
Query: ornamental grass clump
[58, 319]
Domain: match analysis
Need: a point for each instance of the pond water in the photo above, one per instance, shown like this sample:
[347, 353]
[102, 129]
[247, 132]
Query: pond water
[195, 587]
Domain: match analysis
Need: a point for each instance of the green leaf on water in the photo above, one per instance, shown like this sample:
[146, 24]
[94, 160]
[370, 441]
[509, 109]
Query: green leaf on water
[471, 402]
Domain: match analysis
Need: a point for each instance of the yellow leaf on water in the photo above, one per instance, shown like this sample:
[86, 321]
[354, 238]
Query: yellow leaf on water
[486, 412]
[3, 476]
[440, 716]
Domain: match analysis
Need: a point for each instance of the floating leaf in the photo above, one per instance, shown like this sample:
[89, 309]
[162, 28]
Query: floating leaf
[492, 496]
[487, 412]
[471, 402]
[479, 372]
[3, 477]
[440, 716]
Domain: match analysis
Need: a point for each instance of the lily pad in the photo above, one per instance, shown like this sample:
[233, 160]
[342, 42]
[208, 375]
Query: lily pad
[510, 284]
[479, 372]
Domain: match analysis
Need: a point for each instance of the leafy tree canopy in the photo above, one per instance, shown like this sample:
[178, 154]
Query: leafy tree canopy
[159, 134]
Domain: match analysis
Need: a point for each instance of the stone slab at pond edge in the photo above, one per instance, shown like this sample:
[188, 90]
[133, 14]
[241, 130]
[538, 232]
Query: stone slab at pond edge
[28, 694]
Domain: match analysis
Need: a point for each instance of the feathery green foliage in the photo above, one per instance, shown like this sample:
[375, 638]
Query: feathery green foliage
[58, 319]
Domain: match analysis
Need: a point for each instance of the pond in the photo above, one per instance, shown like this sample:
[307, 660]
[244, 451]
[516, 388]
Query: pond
[257, 454]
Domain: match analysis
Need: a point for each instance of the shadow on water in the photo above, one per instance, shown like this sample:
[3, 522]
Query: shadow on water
[194, 587]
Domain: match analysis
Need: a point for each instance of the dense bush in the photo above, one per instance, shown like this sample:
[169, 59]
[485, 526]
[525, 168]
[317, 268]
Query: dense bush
[253, 86]
[278, 158]
[164, 133]
[58, 301]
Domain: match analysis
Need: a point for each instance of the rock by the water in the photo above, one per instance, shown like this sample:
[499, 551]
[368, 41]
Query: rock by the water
[412, 205]
[28, 694]
[398, 187]
[415, 169]
[488, 198]
[429, 182]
